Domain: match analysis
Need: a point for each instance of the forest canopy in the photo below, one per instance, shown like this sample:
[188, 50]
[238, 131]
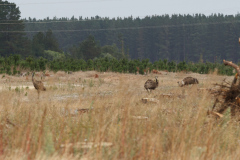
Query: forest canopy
[175, 38]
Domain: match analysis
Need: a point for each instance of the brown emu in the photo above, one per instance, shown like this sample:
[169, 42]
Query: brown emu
[38, 85]
[151, 84]
[187, 81]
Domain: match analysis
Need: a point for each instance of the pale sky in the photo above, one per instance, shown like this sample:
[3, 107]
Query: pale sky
[123, 8]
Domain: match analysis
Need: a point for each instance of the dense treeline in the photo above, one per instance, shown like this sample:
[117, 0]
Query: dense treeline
[12, 34]
[14, 64]
[176, 37]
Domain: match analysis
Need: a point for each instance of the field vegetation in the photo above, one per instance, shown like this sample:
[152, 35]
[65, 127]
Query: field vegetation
[116, 123]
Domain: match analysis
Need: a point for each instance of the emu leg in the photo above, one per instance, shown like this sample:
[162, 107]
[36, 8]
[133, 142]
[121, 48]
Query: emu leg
[38, 93]
[148, 90]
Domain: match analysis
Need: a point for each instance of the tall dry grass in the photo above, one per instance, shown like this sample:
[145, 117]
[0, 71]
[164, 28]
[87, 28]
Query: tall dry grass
[174, 128]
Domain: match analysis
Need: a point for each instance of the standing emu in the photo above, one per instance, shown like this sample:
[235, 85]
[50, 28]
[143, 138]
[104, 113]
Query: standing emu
[151, 84]
[38, 85]
[187, 81]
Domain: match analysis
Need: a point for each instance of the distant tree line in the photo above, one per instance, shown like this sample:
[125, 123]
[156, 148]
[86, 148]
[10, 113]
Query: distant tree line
[175, 37]
[178, 39]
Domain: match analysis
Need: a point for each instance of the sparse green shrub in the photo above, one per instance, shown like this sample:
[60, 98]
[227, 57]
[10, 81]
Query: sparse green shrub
[101, 81]
[14, 70]
[17, 89]
[91, 83]
[8, 70]
[53, 87]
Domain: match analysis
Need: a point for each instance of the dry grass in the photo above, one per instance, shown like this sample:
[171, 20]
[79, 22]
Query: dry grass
[52, 127]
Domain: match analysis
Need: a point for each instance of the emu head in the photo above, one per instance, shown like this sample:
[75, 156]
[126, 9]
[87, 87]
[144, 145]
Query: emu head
[32, 74]
[156, 79]
[180, 83]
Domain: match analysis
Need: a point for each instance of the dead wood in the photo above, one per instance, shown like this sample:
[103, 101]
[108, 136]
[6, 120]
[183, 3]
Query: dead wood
[86, 145]
[10, 123]
[146, 100]
[81, 111]
[204, 89]
[229, 63]
[215, 114]
[167, 95]
[140, 117]
[227, 95]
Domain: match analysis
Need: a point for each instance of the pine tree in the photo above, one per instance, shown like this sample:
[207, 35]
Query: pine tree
[12, 36]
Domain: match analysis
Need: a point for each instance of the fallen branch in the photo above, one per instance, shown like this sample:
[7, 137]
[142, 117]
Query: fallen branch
[229, 63]
[86, 145]
[145, 100]
[81, 111]
[215, 114]
[167, 95]
[204, 89]
[139, 117]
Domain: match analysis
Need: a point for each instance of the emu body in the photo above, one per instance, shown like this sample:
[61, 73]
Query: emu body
[188, 81]
[38, 85]
[151, 84]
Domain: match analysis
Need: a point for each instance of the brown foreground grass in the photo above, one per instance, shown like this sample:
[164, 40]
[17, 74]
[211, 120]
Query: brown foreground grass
[118, 125]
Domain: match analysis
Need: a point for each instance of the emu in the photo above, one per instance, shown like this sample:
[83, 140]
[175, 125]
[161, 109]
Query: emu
[38, 85]
[187, 81]
[151, 84]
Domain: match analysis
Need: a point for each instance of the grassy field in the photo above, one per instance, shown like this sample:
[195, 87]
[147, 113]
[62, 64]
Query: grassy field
[118, 124]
